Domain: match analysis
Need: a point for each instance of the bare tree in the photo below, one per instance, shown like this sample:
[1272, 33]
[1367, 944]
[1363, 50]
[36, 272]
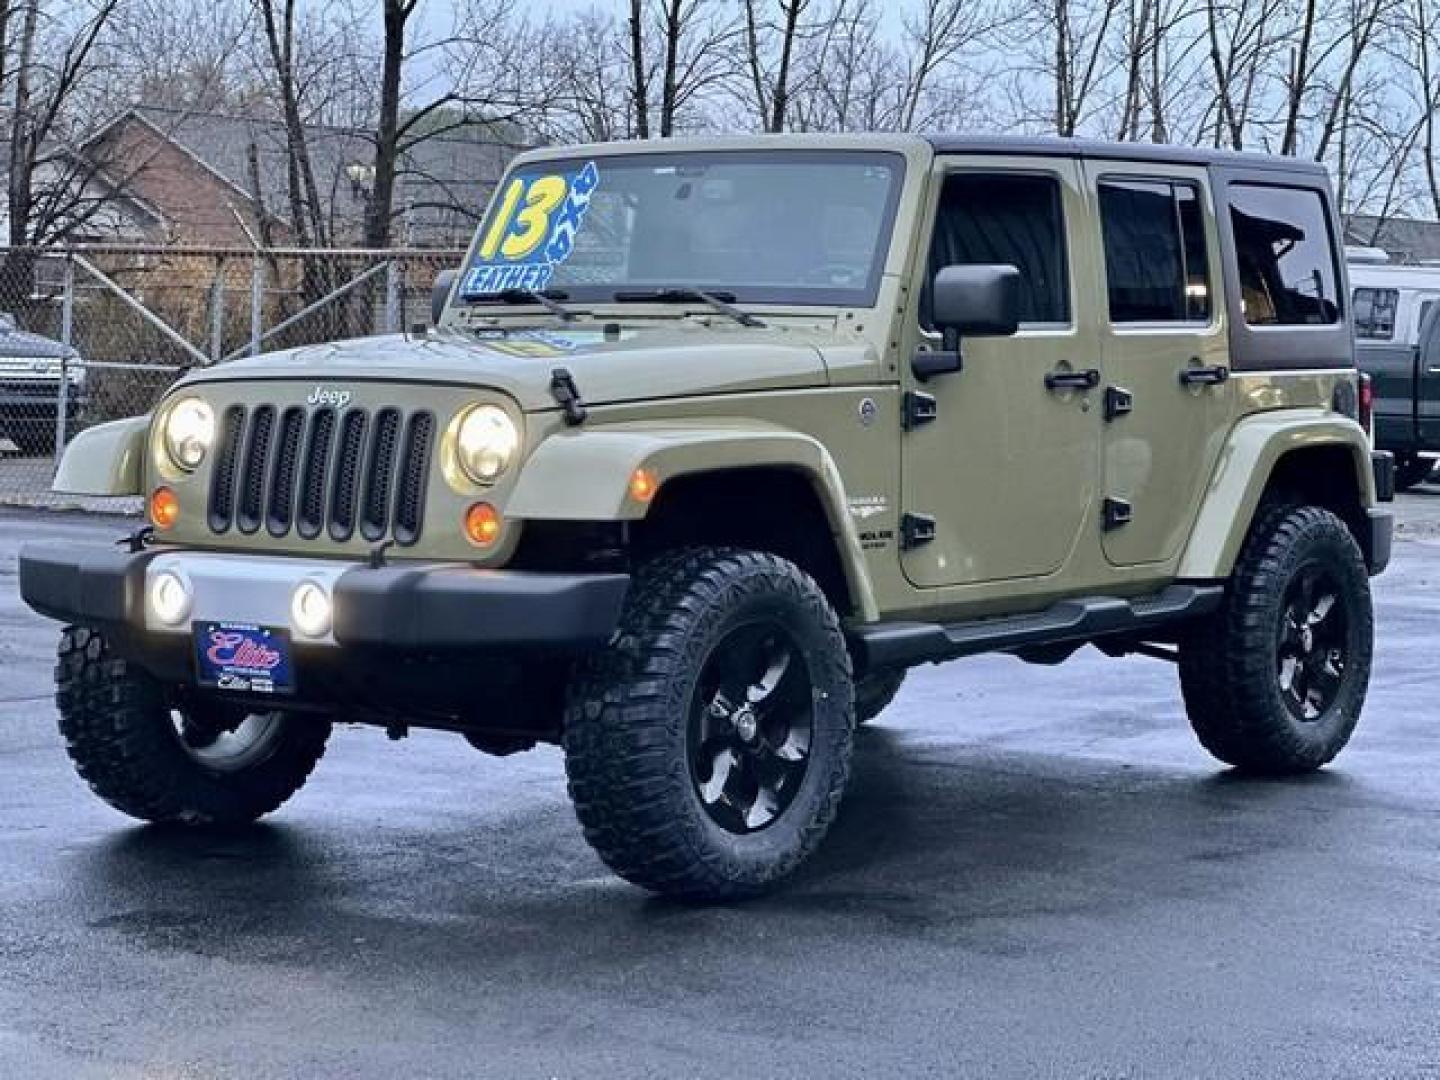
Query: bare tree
[187, 55]
[1421, 32]
[690, 43]
[307, 211]
[769, 57]
[1363, 18]
[640, 74]
[378, 211]
[45, 182]
[1062, 45]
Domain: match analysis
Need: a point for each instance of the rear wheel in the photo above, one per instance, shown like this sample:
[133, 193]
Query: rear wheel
[1274, 681]
[708, 748]
[157, 759]
[1412, 469]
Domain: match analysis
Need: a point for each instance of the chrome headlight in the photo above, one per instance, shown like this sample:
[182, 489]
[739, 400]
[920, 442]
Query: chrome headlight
[188, 432]
[485, 443]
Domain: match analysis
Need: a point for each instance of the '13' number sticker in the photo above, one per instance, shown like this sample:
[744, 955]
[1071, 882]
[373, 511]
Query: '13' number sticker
[534, 230]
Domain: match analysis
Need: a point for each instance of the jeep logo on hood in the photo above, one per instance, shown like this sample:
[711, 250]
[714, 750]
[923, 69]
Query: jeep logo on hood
[324, 397]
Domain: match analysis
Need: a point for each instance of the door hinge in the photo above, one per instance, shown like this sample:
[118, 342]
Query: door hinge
[1115, 512]
[917, 408]
[1118, 402]
[916, 529]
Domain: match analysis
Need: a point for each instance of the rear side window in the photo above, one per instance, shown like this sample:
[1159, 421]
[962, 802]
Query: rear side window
[1012, 219]
[1374, 312]
[1155, 266]
[1285, 256]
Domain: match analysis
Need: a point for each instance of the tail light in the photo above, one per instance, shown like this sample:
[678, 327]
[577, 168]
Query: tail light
[1367, 404]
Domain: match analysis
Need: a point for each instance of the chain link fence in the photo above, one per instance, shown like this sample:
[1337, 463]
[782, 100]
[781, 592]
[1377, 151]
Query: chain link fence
[91, 334]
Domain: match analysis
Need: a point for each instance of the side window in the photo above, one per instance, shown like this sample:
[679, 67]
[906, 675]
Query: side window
[1285, 254]
[1011, 219]
[1374, 312]
[1155, 266]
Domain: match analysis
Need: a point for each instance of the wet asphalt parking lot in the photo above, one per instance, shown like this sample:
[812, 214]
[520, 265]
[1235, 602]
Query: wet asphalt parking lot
[1037, 873]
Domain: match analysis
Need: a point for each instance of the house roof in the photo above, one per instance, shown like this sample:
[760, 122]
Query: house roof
[443, 180]
[1405, 240]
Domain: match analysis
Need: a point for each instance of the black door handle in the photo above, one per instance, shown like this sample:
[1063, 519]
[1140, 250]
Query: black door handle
[1087, 379]
[1204, 376]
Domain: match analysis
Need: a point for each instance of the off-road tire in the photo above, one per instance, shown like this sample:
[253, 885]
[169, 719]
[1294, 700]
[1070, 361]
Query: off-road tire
[1230, 660]
[875, 691]
[1412, 469]
[119, 734]
[627, 724]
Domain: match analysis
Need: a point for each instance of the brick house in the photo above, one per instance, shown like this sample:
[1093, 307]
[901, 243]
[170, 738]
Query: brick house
[216, 180]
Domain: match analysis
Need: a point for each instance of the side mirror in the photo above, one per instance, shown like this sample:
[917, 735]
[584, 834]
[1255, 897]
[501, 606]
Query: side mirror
[440, 293]
[969, 301]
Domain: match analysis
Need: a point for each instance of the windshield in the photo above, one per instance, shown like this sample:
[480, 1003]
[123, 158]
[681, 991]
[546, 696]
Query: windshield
[791, 227]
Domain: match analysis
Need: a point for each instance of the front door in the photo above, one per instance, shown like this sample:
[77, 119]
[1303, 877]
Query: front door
[1165, 401]
[1000, 464]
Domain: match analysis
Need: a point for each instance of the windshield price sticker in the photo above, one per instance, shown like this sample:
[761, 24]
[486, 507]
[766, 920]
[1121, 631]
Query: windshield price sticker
[536, 222]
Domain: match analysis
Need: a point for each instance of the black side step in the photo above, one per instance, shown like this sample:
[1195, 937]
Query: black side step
[901, 644]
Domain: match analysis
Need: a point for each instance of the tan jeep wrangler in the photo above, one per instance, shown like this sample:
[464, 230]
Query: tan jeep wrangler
[709, 443]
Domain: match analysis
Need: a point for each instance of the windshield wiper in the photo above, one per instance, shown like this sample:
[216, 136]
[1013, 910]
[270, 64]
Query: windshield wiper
[680, 294]
[546, 298]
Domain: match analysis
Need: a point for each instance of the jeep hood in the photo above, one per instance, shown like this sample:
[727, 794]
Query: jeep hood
[636, 365]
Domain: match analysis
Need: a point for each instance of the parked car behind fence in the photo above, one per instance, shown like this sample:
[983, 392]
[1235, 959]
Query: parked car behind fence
[42, 388]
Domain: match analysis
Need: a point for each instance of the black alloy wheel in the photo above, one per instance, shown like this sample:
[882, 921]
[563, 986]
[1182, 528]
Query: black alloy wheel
[1313, 650]
[751, 724]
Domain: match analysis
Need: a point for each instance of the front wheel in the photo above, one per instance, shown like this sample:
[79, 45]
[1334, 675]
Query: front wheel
[708, 747]
[1274, 681]
[163, 760]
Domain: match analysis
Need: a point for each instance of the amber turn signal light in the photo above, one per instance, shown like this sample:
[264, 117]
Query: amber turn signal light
[164, 508]
[643, 485]
[482, 524]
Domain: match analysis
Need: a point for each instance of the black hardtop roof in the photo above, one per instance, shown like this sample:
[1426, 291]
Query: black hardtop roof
[1053, 146]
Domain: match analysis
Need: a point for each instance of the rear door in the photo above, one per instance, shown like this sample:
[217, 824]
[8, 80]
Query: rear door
[1166, 397]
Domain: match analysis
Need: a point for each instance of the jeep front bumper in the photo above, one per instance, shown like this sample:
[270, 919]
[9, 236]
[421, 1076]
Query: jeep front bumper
[422, 608]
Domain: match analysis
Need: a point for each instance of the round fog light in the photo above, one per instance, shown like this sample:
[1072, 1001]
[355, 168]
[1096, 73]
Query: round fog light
[170, 597]
[311, 609]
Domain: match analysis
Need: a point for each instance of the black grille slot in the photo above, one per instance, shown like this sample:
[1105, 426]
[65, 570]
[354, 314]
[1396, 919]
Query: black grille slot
[310, 518]
[380, 474]
[256, 464]
[222, 478]
[414, 472]
[281, 512]
[345, 488]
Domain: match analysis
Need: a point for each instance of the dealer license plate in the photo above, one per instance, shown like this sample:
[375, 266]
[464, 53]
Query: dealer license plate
[244, 658]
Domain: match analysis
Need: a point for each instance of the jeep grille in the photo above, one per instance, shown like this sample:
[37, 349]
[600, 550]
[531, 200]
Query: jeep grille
[322, 472]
